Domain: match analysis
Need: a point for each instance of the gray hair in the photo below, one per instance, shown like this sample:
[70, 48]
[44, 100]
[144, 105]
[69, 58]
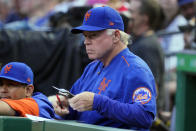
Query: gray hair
[124, 37]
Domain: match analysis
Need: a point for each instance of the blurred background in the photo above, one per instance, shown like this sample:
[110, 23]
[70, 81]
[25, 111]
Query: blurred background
[163, 33]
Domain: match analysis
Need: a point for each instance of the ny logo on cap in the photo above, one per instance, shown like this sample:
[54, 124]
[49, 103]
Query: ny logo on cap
[87, 15]
[7, 68]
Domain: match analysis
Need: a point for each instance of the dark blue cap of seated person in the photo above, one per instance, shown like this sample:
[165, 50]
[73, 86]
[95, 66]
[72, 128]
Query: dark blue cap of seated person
[18, 72]
[183, 2]
[100, 18]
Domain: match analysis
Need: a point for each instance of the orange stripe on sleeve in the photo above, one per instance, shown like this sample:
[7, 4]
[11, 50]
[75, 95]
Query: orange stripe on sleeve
[125, 60]
[23, 106]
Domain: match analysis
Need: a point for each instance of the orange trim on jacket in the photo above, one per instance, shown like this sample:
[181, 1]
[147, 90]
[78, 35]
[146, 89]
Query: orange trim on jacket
[24, 106]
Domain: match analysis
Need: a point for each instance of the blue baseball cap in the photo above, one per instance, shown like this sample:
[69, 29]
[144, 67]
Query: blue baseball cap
[18, 72]
[100, 18]
[183, 2]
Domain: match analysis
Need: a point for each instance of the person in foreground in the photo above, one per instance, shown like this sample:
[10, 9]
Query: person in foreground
[16, 93]
[117, 89]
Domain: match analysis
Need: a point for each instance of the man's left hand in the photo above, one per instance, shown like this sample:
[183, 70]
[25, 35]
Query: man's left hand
[82, 102]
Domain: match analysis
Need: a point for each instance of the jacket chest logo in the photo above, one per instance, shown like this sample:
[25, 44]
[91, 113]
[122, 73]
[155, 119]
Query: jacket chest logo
[103, 85]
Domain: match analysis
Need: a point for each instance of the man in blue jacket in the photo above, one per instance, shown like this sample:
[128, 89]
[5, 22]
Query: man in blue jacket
[117, 89]
[16, 93]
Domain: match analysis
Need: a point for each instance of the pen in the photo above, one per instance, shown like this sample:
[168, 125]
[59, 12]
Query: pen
[59, 100]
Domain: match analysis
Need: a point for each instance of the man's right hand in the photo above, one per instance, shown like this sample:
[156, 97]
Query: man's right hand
[60, 108]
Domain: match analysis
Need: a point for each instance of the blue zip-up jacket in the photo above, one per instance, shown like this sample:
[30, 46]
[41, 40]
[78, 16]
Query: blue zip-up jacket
[125, 94]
